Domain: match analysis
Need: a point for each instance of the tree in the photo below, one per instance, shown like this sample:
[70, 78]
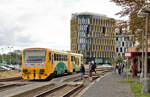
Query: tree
[130, 8]
[118, 59]
[15, 58]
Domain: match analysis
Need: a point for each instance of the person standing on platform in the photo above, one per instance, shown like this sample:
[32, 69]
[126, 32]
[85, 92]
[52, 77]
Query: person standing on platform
[134, 68]
[115, 67]
[82, 70]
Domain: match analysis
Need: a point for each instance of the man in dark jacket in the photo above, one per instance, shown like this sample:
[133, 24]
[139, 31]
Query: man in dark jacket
[82, 70]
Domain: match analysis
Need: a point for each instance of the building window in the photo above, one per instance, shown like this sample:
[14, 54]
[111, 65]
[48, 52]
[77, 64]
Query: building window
[120, 49]
[117, 49]
[122, 43]
[116, 38]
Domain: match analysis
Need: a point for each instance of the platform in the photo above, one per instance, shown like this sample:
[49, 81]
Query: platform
[109, 86]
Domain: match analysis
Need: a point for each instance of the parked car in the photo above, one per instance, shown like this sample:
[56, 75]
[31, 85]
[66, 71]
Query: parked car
[10, 66]
[2, 69]
[5, 67]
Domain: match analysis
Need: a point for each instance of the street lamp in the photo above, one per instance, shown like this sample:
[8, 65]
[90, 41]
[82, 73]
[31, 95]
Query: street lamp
[142, 72]
[144, 12]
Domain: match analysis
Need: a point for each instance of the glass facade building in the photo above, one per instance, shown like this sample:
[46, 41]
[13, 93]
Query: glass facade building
[93, 35]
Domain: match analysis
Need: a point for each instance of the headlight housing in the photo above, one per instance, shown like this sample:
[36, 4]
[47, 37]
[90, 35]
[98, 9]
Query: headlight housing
[25, 70]
[41, 71]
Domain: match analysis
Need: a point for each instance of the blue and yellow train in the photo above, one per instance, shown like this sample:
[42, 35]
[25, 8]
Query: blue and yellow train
[42, 63]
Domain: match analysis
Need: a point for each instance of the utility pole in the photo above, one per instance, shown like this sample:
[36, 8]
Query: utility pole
[144, 12]
[146, 46]
[142, 71]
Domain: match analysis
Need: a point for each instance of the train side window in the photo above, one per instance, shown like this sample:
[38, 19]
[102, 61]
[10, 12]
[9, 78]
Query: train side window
[49, 56]
[72, 58]
[65, 57]
[55, 57]
[62, 58]
[59, 57]
[52, 59]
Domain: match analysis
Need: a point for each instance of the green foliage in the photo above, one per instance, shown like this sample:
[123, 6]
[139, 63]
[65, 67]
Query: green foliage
[118, 59]
[13, 57]
[136, 88]
[130, 8]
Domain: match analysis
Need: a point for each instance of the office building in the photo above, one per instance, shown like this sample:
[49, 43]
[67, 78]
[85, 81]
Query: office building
[93, 35]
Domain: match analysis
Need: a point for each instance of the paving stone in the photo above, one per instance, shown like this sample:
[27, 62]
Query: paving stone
[109, 86]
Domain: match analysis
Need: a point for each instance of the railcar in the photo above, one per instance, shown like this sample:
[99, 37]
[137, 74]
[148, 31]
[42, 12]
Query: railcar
[43, 63]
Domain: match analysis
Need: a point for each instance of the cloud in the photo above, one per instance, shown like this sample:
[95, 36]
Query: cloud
[44, 23]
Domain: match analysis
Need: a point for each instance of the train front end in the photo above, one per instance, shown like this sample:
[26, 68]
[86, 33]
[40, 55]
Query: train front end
[33, 64]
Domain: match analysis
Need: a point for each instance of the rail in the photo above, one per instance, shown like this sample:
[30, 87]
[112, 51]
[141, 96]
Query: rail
[50, 91]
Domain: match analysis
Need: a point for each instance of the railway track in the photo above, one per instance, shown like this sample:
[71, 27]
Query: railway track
[68, 87]
[10, 86]
[65, 90]
[10, 79]
[74, 91]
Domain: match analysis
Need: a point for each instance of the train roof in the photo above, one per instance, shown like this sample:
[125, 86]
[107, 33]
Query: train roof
[76, 54]
[58, 51]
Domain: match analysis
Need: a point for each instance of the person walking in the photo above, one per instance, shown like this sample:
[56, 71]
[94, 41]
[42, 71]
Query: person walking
[119, 69]
[82, 70]
[122, 67]
[93, 67]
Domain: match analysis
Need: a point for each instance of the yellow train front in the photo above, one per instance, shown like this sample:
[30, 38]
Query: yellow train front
[43, 63]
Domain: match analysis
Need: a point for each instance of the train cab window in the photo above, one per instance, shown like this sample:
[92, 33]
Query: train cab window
[50, 56]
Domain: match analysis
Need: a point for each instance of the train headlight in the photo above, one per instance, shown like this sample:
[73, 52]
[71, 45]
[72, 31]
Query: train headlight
[25, 70]
[41, 71]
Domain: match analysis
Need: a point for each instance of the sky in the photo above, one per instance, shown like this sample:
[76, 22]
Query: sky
[44, 23]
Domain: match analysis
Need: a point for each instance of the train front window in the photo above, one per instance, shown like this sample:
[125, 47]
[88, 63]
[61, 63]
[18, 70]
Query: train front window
[34, 58]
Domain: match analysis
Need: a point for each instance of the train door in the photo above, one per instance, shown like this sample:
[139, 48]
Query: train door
[70, 66]
[51, 61]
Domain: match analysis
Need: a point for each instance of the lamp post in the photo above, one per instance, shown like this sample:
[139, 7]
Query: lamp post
[144, 12]
[142, 72]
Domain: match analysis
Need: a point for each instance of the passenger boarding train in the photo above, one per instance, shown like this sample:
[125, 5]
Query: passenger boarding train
[43, 63]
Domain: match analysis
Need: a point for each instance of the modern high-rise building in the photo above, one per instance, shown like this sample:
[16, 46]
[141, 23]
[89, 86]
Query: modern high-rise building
[123, 42]
[93, 35]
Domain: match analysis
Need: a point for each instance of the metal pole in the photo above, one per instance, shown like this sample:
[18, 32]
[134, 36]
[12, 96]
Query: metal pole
[146, 44]
[142, 72]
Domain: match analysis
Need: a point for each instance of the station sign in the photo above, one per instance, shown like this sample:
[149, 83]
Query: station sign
[128, 54]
